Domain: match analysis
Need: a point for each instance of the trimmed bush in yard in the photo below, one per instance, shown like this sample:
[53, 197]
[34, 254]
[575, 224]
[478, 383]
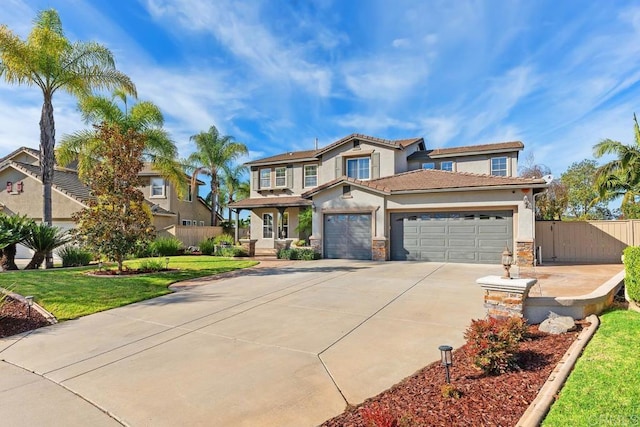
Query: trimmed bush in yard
[298, 254]
[166, 246]
[73, 256]
[632, 270]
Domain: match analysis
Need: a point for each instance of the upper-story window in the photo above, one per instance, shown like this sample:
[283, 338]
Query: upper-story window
[157, 187]
[310, 175]
[429, 165]
[265, 178]
[499, 166]
[446, 166]
[188, 196]
[358, 168]
[281, 177]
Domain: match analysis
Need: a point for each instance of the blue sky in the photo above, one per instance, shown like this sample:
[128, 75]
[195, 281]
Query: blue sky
[557, 75]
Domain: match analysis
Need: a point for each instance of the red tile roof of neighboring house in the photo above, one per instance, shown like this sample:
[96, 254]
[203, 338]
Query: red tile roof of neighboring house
[426, 180]
[262, 202]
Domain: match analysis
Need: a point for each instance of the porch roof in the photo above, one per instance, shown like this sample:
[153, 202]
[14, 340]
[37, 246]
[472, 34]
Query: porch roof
[270, 202]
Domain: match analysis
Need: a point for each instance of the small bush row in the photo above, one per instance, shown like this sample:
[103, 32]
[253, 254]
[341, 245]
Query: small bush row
[298, 254]
[493, 343]
[74, 256]
[632, 272]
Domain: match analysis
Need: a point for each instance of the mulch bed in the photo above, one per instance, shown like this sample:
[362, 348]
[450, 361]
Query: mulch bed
[485, 400]
[15, 319]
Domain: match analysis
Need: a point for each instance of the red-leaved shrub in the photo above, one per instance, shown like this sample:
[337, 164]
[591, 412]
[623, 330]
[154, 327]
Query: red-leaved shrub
[494, 342]
[378, 416]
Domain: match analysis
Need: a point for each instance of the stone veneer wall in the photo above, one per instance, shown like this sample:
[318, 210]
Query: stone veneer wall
[525, 253]
[501, 304]
[379, 249]
[316, 245]
[249, 246]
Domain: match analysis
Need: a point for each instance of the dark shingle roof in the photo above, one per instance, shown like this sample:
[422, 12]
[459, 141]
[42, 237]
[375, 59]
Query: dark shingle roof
[468, 149]
[263, 202]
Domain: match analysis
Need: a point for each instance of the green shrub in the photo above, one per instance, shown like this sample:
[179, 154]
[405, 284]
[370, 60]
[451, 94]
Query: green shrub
[224, 239]
[632, 270]
[231, 251]
[493, 343]
[300, 243]
[73, 256]
[207, 247]
[151, 265]
[166, 246]
[300, 254]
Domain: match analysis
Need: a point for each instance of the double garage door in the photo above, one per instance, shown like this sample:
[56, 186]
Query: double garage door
[473, 237]
[347, 236]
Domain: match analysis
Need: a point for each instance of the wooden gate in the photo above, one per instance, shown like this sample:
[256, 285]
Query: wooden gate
[586, 241]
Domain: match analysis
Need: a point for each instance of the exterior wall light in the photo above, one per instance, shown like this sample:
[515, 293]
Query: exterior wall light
[447, 360]
[507, 260]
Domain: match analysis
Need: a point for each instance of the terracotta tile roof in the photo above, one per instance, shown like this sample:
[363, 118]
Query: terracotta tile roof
[426, 180]
[263, 202]
[285, 157]
[467, 149]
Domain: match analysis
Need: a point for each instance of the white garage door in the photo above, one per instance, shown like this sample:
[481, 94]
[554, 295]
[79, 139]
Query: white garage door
[347, 236]
[473, 237]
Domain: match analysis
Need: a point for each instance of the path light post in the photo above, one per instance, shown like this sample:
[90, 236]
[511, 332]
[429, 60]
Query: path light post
[447, 359]
[507, 260]
[166, 263]
[29, 304]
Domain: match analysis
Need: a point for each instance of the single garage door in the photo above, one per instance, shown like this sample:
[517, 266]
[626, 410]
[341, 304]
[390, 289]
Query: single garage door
[347, 236]
[473, 237]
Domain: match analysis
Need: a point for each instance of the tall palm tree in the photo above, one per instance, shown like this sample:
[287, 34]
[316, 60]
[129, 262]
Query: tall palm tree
[47, 59]
[233, 184]
[214, 154]
[621, 176]
[144, 117]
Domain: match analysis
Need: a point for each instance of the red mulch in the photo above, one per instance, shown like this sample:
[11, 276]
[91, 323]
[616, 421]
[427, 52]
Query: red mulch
[15, 319]
[485, 400]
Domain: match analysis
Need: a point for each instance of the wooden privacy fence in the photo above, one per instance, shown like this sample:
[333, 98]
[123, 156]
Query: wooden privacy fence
[190, 235]
[586, 241]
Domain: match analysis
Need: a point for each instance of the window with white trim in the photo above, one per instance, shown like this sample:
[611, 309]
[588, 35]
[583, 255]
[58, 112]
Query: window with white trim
[446, 166]
[429, 165]
[201, 223]
[359, 168]
[186, 222]
[157, 187]
[499, 166]
[281, 177]
[267, 226]
[310, 175]
[265, 178]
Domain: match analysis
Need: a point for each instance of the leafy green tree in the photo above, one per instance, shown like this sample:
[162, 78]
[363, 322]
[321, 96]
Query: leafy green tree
[44, 238]
[13, 230]
[304, 221]
[143, 118]
[117, 219]
[48, 60]
[621, 176]
[582, 194]
[552, 203]
[214, 153]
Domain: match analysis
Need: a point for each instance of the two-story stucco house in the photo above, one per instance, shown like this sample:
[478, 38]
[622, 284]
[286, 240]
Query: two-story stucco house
[21, 193]
[384, 199]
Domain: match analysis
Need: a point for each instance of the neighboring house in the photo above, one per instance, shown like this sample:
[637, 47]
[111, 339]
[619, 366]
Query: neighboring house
[384, 199]
[21, 193]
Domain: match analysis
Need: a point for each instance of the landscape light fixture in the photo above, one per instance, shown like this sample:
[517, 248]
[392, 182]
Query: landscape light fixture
[166, 263]
[99, 265]
[447, 359]
[507, 260]
[29, 299]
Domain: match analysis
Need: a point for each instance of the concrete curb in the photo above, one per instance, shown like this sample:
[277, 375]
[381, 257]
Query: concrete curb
[537, 410]
[48, 316]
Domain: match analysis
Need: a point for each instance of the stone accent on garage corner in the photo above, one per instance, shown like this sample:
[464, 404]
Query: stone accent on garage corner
[316, 245]
[380, 249]
[505, 297]
[525, 253]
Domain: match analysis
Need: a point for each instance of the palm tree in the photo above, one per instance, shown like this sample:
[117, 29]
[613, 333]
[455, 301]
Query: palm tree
[43, 239]
[15, 229]
[47, 59]
[214, 154]
[233, 185]
[144, 117]
[621, 176]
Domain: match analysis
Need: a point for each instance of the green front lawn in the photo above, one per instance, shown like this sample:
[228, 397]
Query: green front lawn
[604, 387]
[70, 293]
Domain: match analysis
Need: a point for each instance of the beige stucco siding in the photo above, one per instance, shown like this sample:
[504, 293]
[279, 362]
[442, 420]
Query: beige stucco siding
[387, 159]
[256, 226]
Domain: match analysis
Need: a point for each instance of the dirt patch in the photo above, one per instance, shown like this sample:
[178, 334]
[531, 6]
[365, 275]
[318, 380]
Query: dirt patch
[483, 400]
[15, 318]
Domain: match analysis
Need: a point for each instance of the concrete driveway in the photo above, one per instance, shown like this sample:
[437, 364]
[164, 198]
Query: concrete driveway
[286, 346]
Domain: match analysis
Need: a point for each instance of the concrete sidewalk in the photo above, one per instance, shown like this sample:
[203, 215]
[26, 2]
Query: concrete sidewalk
[281, 346]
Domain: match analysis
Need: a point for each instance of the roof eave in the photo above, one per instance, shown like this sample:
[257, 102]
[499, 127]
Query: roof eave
[281, 162]
[475, 153]
[473, 188]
